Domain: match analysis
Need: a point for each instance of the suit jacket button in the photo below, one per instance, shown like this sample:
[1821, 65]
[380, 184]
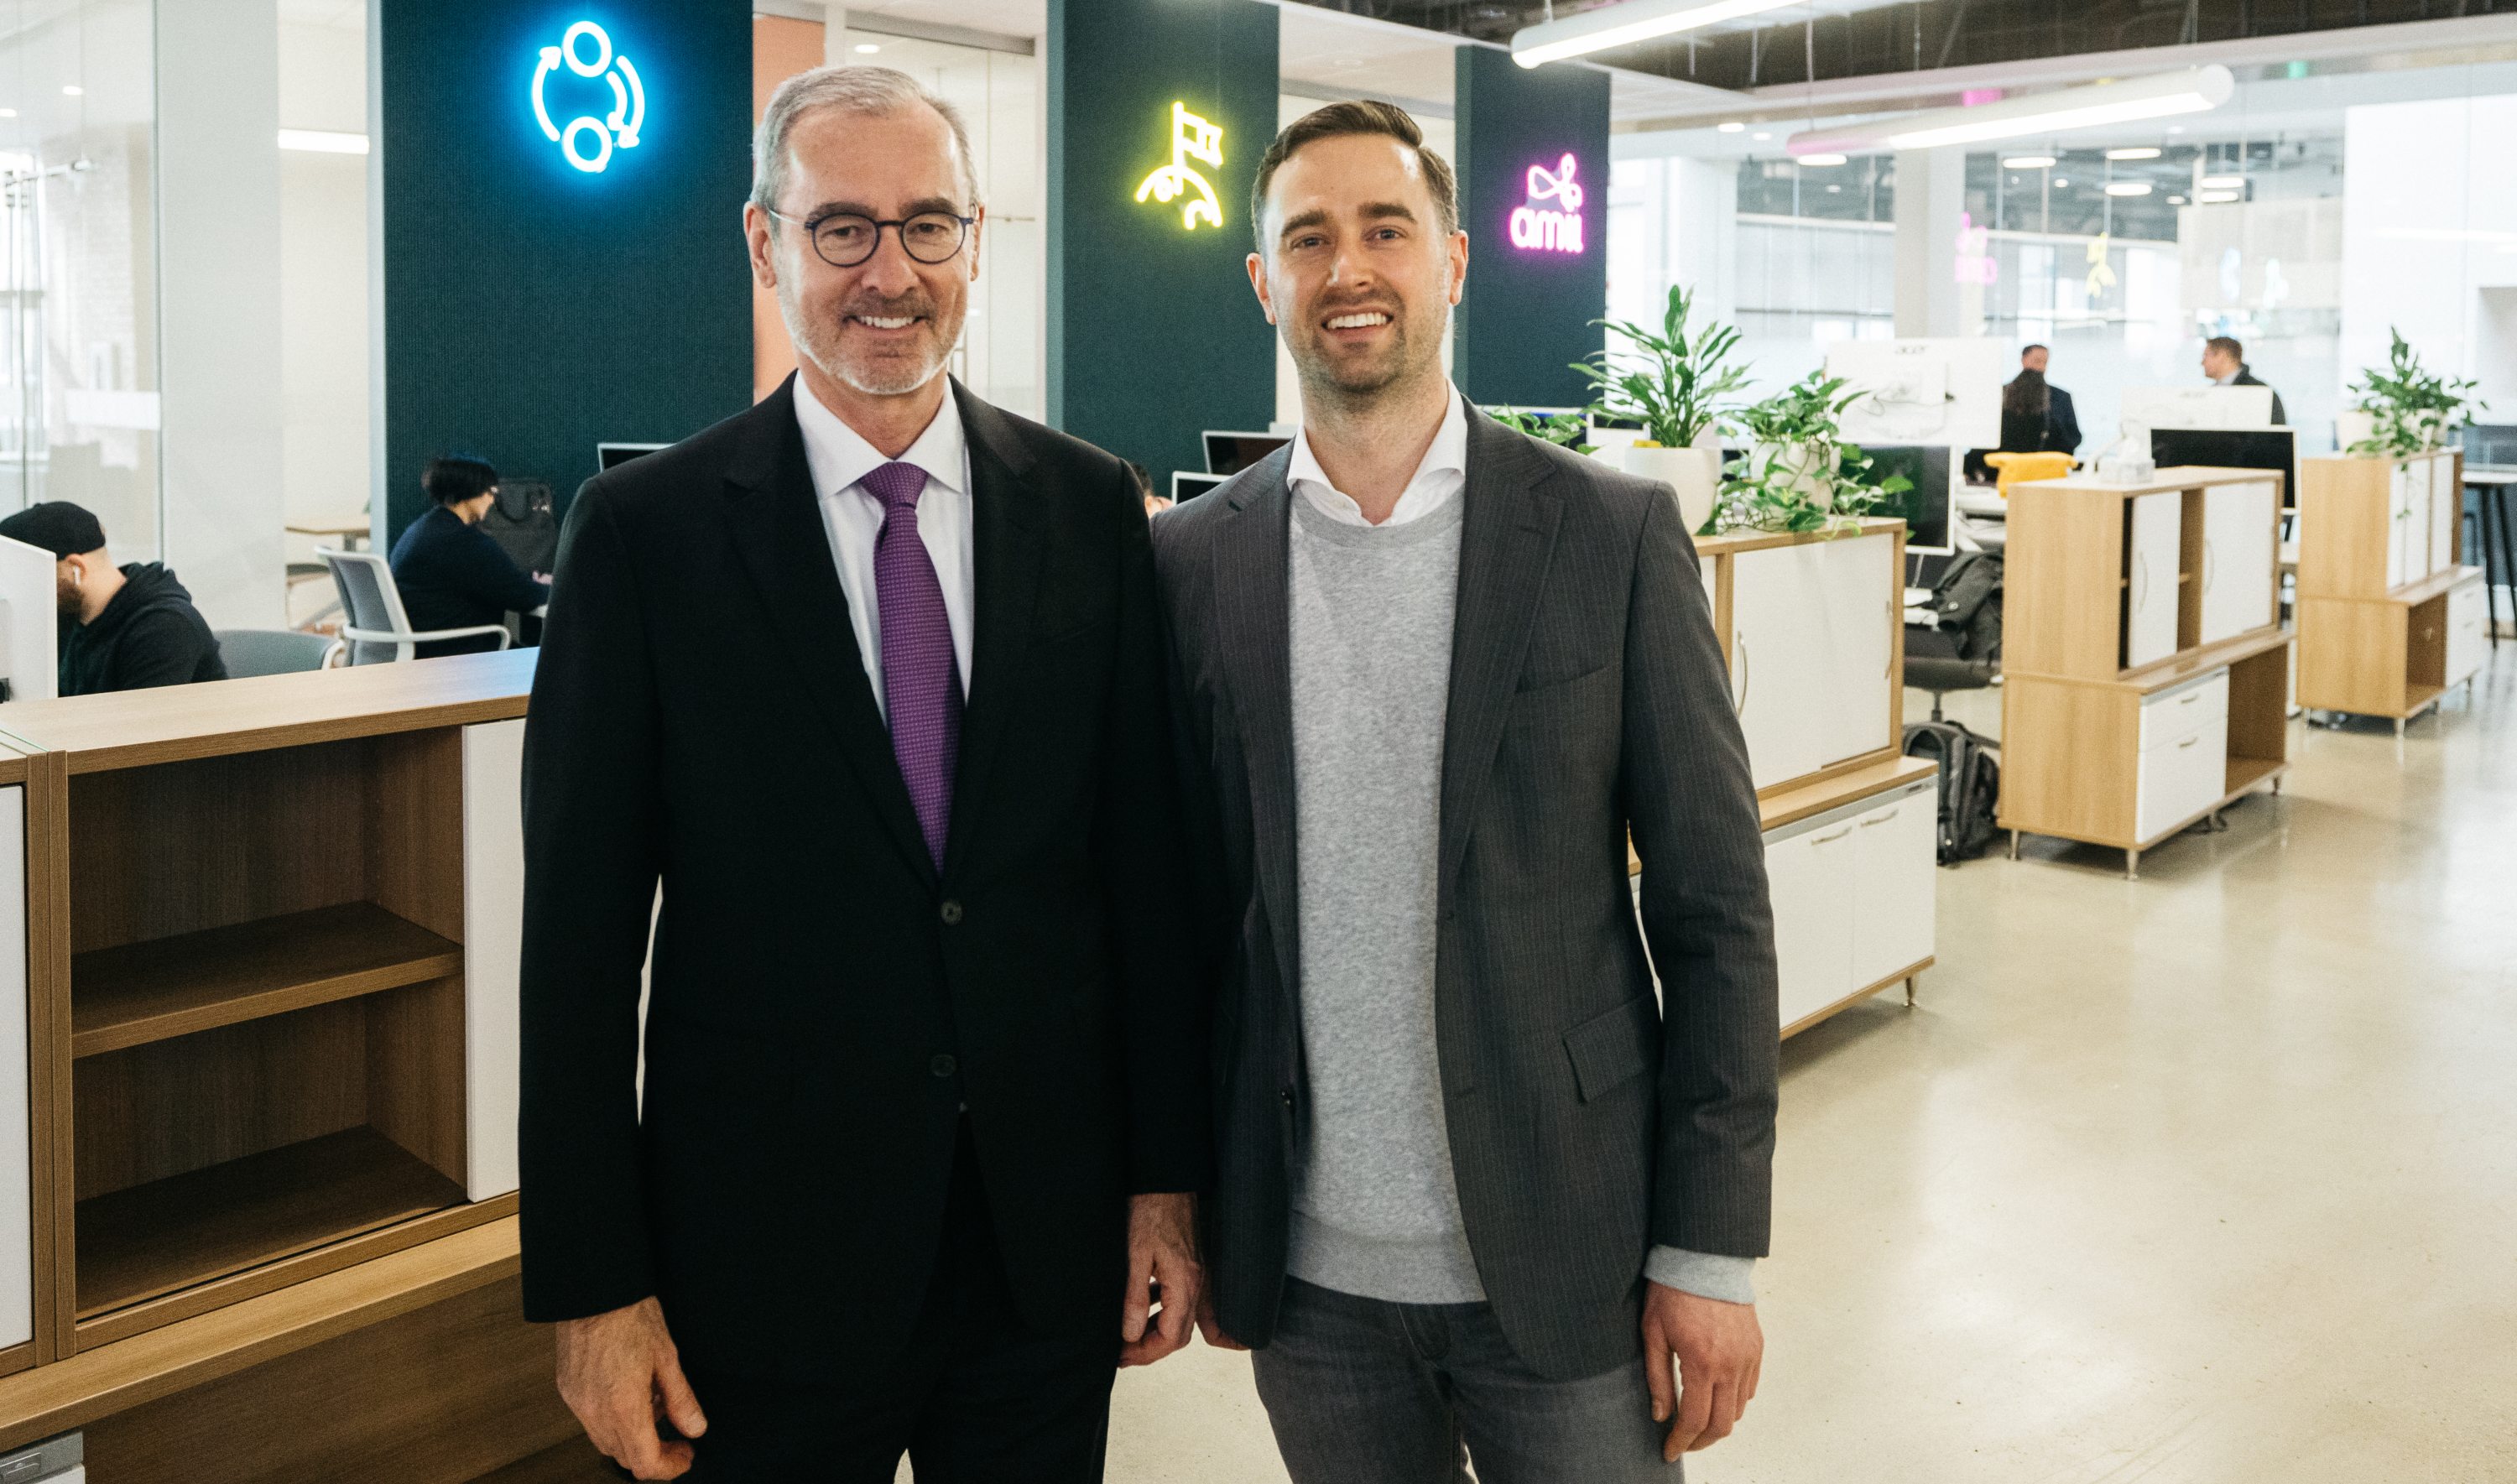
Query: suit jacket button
[951, 912]
[943, 1066]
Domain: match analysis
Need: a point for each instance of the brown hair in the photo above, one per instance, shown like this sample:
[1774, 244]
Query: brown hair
[2227, 346]
[1361, 116]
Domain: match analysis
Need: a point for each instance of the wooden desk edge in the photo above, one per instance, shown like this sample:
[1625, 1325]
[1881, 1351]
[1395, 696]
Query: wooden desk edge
[70, 1393]
[2168, 481]
[1796, 804]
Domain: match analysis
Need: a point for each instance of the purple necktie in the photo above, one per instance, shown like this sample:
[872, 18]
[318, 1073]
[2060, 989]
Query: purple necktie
[922, 679]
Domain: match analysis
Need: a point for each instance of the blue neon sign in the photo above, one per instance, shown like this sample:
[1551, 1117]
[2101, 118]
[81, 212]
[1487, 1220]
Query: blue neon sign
[586, 50]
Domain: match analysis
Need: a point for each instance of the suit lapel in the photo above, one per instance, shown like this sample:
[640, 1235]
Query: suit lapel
[1506, 539]
[776, 523]
[1252, 617]
[1007, 553]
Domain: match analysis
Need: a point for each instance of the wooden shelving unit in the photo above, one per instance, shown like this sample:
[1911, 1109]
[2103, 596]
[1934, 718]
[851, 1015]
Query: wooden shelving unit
[2389, 617]
[2146, 672]
[269, 935]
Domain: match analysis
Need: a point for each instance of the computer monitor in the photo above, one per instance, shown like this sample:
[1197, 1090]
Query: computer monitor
[612, 455]
[2491, 445]
[1187, 486]
[1935, 471]
[2273, 448]
[1228, 453]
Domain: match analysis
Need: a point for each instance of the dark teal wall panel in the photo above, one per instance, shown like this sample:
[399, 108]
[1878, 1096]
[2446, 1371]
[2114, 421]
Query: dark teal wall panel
[1153, 332]
[1528, 309]
[533, 308]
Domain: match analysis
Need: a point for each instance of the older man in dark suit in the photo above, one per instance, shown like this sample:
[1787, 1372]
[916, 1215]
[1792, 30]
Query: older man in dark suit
[1478, 1182]
[870, 679]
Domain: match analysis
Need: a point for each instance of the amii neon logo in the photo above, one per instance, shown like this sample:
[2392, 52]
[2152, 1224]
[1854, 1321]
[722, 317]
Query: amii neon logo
[1539, 228]
[1192, 138]
[586, 140]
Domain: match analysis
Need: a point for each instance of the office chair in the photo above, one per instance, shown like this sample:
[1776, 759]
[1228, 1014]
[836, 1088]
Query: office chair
[377, 630]
[275, 651]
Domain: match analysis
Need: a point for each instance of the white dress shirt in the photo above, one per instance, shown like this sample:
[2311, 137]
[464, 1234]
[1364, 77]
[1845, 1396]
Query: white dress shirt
[839, 459]
[1437, 481]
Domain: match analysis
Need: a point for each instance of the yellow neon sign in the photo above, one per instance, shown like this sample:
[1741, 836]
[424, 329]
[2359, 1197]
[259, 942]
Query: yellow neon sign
[1192, 137]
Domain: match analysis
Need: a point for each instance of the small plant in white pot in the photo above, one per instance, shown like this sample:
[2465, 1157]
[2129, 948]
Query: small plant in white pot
[1671, 381]
[1794, 437]
[2405, 408]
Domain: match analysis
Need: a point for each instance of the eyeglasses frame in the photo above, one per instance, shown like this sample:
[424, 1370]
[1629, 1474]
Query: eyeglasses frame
[899, 230]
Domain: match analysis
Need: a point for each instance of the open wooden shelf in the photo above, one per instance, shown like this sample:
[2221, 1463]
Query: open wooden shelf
[166, 987]
[2245, 772]
[134, 1244]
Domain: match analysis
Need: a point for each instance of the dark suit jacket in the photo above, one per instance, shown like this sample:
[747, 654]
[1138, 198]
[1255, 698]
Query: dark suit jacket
[2057, 432]
[453, 576]
[2247, 377]
[824, 1003]
[1588, 696]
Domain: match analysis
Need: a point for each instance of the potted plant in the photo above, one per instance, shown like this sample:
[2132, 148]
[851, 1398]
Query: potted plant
[1566, 430]
[2405, 408]
[1794, 434]
[1672, 381]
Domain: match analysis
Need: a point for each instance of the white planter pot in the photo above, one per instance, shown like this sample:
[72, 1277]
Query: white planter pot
[2352, 426]
[1800, 467]
[1694, 474]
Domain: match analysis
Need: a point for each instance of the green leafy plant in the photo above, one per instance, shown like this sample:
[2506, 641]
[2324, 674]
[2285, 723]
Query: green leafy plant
[2413, 406]
[1671, 381]
[1566, 430]
[1827, 487]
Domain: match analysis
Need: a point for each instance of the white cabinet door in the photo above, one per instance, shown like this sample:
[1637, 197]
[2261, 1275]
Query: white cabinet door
[2447, 511]
[2238, 541]
[1861, 600]
[2181, 779]
[2468, 641]
[493, 933]
[1811, 876]
[1778, 668]
[1895, 866]
[2150, 618]
[16, 1153]
[2406, 551]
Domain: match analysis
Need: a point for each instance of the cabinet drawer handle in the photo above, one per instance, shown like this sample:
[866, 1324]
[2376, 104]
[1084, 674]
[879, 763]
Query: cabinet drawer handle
[1739, 643]
[2188, 697]
[2188, 742]
[1824, 840]
[1881, 819]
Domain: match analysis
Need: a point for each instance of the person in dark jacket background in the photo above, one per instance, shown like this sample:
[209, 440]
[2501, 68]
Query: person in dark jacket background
[123, 628]
[2036, 415]
[450, 573]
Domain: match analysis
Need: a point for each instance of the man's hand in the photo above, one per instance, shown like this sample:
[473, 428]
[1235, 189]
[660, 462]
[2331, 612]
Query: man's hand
[1164, 1279]
[1720, 1350]
[1213, 1328]
[619, 1373]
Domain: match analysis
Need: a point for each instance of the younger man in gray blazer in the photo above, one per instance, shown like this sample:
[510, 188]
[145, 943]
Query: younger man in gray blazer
[1478, 1184]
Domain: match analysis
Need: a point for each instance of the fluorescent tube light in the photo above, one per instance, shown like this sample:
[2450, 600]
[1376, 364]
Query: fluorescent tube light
[2136, 153]
[2128, 188]
[1732, 127]
[2216, 197]
[2030, 162]
[1612, 25]
[2176, 200]
[72, 90]
[322, 141]
[8, 113]
[1823, 159]
[2194, 90]
[2058, 181]
[867, 48]
[2224, 183]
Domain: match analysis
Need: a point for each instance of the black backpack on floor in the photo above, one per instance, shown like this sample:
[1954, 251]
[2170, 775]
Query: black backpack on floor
[1969, 785]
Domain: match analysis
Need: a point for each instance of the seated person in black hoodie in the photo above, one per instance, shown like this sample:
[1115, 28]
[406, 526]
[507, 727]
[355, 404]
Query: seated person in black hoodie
[122, 628]
[450, 573]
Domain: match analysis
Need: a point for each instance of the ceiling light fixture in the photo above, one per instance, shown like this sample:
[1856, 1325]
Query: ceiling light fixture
[867, 48]
[2193, 90]
[2216, 197]
[2058, 181]
[2128, 188]
[2176, 200]
[2030, 162]
[8, 113]
[2224, 183]
[1823, 159]
[1732, 127]
[2136, 153]
[322, 141]
[1611, 25]
[72, 90]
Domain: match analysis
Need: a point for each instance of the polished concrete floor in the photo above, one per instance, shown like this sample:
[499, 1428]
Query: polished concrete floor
[2208, 1178]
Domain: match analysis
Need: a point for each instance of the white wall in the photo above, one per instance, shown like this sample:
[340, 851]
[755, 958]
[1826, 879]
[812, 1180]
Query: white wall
[323, 364]
[218, 227]
[2429, 223]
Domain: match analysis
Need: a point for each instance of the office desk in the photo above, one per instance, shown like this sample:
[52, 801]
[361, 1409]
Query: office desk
[353, 533]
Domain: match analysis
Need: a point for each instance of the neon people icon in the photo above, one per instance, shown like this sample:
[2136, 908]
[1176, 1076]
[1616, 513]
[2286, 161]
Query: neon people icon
[587, 141]
[1550, 230]
[1192, 137]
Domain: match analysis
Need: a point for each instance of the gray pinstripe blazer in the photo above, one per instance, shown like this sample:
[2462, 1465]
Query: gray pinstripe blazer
[1587, 1121]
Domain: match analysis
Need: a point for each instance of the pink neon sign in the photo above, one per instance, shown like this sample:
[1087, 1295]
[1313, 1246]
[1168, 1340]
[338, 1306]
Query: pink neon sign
[1538, 227]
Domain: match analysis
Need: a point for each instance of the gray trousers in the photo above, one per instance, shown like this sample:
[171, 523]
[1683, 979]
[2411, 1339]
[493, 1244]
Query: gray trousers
[1365, 1392]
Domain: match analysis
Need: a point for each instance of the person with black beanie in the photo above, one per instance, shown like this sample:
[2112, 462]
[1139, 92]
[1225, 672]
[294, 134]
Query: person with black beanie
[122, 628]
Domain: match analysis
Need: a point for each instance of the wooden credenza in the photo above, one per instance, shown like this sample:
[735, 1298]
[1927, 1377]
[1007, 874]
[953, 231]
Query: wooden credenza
[2145, 668]
[2389, 617]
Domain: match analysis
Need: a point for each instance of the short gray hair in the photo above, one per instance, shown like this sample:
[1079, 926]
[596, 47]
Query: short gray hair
[872, 91]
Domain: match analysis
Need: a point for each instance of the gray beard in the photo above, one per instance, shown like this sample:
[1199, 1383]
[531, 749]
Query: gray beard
[819, 344]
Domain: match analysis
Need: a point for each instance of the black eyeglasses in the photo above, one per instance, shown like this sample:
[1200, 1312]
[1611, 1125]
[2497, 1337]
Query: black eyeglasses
[845, 240]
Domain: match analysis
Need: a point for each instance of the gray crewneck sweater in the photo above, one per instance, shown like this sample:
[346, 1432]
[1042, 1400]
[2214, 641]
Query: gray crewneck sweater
[1376, 1211]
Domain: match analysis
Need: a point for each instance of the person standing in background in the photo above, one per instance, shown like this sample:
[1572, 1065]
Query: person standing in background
[1476, 1180]
[2036, 415]
[2223, 361]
